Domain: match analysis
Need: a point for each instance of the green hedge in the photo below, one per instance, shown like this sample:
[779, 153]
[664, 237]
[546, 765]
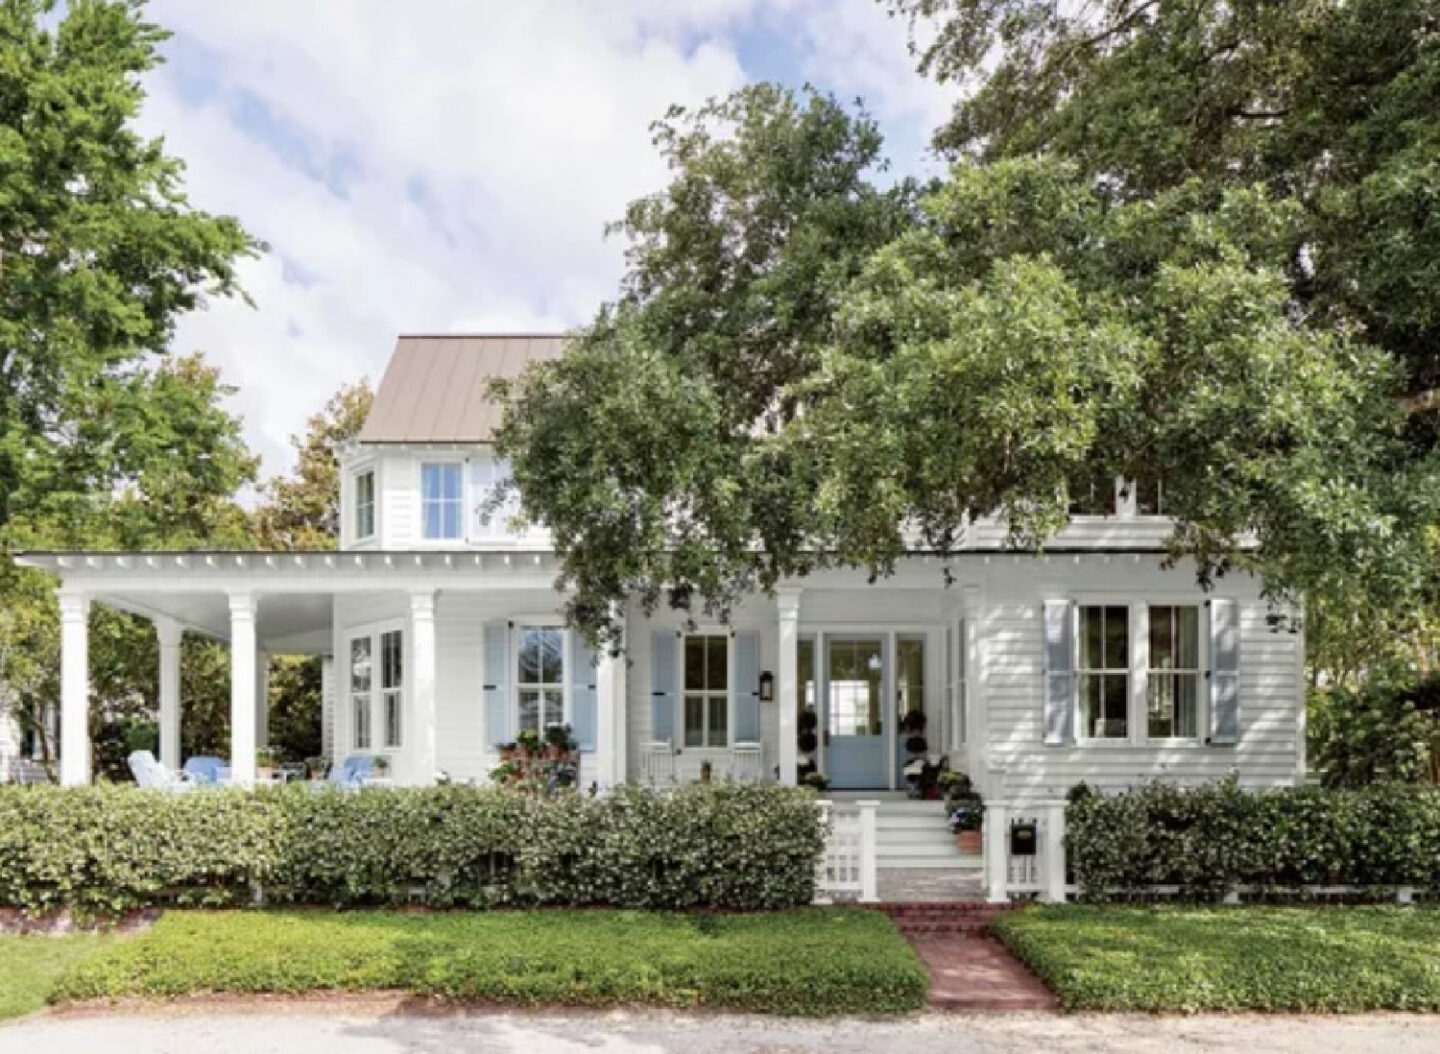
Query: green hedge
[810, 961]
[1208, 839]
[110, 849]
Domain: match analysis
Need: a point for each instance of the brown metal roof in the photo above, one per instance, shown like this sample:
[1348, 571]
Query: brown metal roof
[434, 390]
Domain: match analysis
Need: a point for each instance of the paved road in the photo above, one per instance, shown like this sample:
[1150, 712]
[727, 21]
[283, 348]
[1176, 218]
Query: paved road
[390, 1029]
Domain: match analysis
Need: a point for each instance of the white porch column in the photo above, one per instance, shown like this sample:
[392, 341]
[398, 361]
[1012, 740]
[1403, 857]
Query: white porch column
[262, 698]
[74, 689]
[1053, 860]
[787, 673]
[168, 633]
[997, 852]
[422, 692]
[242, 689]
[610, 685]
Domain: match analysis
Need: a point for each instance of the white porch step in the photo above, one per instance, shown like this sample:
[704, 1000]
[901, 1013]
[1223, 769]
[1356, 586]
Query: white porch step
[953, 862]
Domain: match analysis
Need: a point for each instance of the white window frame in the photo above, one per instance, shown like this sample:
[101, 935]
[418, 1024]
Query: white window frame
[680, 696]
[355, 477]
[378, 695]
[458, 464]
[1199, 671]
[1081, 732]
[517, 632]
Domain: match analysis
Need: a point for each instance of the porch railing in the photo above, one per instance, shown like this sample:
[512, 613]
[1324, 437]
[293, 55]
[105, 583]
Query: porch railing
[847, 867]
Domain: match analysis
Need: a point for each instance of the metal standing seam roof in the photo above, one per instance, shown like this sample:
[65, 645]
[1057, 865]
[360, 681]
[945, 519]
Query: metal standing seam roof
[434, 389]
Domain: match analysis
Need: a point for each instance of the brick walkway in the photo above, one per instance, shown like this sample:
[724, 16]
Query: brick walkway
[969, 970]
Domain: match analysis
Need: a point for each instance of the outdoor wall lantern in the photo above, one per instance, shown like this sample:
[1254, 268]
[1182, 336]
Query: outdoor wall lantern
[767, 687]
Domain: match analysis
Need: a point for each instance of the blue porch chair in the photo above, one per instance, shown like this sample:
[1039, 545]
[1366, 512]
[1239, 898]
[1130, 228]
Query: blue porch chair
[207, 770]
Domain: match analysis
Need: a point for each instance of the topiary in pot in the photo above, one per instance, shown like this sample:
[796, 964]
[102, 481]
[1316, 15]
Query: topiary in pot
[806, 742]
[917, 744]
[809, 721]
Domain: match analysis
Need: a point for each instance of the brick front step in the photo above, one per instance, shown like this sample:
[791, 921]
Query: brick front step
[942, 918]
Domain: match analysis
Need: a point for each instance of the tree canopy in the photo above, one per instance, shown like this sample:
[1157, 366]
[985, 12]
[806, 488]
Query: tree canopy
[803, 369]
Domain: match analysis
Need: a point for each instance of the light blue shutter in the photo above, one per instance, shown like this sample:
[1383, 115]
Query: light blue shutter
[582, 691]
[745, 688]
[497, 683]
[664, 678]
[1059, 645]
[1224, 670]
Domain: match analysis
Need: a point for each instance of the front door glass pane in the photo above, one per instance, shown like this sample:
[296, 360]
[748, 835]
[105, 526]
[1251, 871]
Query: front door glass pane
[854, 703]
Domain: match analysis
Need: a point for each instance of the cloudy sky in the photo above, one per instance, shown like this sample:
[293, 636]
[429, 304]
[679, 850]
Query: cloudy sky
[449, 165]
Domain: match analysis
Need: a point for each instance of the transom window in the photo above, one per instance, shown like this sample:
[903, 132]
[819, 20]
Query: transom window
[1103, 673]
[365, 504]
[442, 499]
[707, 690]
[541, 678]
[392, 684]
[1173, 686]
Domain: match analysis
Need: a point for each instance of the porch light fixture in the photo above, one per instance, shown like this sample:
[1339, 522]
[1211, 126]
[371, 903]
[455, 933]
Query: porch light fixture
[767, 686]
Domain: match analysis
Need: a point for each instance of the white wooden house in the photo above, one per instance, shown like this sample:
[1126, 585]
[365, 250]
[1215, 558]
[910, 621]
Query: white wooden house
[441, 637]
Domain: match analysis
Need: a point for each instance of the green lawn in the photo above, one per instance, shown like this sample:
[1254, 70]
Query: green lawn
[30, 965]
[1190, 959]
[811, 961]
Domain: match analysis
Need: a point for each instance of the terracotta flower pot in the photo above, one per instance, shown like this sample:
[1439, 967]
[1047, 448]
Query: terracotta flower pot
[968, 842]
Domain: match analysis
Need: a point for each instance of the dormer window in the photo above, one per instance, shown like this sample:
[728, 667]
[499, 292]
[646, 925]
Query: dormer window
[365, 504]
[442, 500]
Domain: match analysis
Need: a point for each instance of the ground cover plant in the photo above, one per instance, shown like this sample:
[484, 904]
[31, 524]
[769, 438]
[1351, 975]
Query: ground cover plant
[812, 961]
[1195, 959]
[30, 965]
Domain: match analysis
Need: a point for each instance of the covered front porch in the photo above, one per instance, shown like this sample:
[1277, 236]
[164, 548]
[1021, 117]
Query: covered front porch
[319, 604]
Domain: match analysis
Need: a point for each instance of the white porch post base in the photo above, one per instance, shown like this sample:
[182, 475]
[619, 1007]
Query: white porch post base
[74, 689]
[997, 857]
[869, 851]
[168, 633]
[787, 602]
[605, 723]
[242, 689]
[422, 649]
[1054, 850]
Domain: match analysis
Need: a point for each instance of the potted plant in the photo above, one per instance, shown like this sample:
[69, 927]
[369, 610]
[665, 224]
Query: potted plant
[913, 724]
[559, 742]
[967, 817]
[506, 750]
[507, 771]
[382, 767]
[817, 781]
[527, 744]
[316, 768]
[266, 758]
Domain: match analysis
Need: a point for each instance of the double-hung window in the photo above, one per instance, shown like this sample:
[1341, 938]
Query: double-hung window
[442, 500]
[361, 671]
[365, 504]
[707, 690]
[392, 684]
[377, 689]
[541, 679]
[1103, 673]
[1173, 685]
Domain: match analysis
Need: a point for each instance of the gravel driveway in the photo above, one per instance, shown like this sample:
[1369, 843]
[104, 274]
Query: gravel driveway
[389, 1027]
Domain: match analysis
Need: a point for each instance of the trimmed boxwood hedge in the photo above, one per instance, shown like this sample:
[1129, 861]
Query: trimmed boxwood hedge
[111, 849]
[1207, 840]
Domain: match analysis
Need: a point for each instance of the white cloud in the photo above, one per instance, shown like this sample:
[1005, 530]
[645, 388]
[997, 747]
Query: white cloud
[448, 164]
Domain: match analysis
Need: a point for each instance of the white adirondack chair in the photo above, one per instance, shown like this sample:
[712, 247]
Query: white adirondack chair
[657, 763]
[746, 765]
[151, 774]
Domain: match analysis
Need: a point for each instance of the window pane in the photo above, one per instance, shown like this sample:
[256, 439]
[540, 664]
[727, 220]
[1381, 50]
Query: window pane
[1187, 695]
[718, 722]
[529, 656]
[529, 710]
[805, 675]
[552, 655]
[392, 719]
[1117, 638]
[554, 707]
[1187, 631]
[717, 663]
[694, 720]
[360, 664]
[1162, 638]
[1090, 705]
[1092, 624]
[391, 653]
[1116, 703]
[695, 663]
[360, 705]
[1160, 706]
